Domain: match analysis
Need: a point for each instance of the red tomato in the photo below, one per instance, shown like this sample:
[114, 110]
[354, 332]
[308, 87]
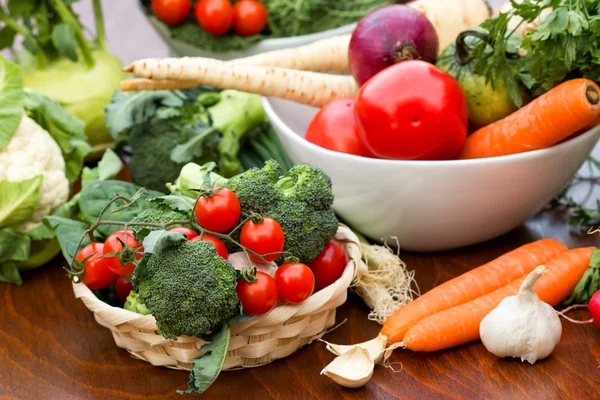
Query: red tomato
[265, 238]
[329, 265]
[219, 212]
[412, 111]
[249, 17]
[122, 289]
[97, 274]
[334, 128]
[219, 245]
[258, 297]
[214, 16]
[112, 245]
[171, 12]
[188, 233]
[295, 282]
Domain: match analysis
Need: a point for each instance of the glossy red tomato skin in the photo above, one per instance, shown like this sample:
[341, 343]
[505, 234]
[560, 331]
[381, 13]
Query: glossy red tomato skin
[123, 288]
[329, 265]
[219, 212]
[249, 17]
[334, 128]
[295, 282]
[97, 274]
[219, 245]
[171, 12]
[112, 245]
[187, 232]
[263, 238]
[258, 297]
[214, 16]
[412, 111]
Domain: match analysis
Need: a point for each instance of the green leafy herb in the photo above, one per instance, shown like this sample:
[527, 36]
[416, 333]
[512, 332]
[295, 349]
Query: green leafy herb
[563, 46]
[208, 366]
[588, 284]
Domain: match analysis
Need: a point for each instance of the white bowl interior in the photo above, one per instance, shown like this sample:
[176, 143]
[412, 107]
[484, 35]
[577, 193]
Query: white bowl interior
[434, 205]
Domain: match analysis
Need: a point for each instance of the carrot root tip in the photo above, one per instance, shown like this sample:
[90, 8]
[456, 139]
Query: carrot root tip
[592, 95]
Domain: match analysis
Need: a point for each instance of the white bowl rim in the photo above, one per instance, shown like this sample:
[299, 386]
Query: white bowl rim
[427, 163]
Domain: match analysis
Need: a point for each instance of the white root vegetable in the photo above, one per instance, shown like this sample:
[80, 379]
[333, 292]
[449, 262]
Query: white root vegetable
[311, 88]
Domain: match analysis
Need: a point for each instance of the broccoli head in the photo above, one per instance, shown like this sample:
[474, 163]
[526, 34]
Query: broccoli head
[133, 303]
[188, 288]
[159, 215]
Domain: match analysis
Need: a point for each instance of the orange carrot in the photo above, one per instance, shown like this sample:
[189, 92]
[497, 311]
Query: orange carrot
[460, 324]
[552, 117]
[595, 123]
[471, 285]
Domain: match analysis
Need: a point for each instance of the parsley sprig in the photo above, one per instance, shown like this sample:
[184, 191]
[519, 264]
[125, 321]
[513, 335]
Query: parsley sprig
[565, 45]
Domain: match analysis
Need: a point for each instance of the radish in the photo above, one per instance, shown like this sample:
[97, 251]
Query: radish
[388, 35]
[594, 308]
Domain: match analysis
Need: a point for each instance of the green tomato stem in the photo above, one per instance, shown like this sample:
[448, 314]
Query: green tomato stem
[67, 16]
[100, 35]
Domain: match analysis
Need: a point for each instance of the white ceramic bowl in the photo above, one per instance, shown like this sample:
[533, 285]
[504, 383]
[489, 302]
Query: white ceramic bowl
[434, 205]
[185, 49]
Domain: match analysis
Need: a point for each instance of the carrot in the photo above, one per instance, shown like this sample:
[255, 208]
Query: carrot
[595, 123]
[311, 88]
[471, 285]
[460, 324]
[569, 107]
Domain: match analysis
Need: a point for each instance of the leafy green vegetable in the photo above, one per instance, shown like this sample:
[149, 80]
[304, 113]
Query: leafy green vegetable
[68, 232]
[18, 200]
[588, 284]
[208, 366]
[564, 46]
[9, 273]
[14, 246]
[157, 241]
[12, 99]
[108, 168]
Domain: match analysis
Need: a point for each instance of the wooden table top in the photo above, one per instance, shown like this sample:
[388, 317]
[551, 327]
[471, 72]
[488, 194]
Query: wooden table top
[52, 348]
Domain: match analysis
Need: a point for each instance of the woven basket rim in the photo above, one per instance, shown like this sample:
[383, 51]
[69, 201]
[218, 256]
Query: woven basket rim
[344, 235]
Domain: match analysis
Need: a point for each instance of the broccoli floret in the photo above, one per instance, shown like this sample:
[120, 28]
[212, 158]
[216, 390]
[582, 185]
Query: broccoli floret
[133, 303]
[309, 185]
[256, 189]
[188, 288]
[159, 215]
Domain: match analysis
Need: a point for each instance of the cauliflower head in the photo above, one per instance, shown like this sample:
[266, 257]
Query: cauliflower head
[30, 153]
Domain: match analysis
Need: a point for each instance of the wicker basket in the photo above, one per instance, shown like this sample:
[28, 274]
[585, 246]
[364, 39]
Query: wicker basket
[253, 342]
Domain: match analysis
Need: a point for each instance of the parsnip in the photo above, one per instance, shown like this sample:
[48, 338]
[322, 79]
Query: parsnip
[311, 88]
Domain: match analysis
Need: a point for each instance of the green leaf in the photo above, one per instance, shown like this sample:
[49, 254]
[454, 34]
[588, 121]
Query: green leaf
[63, 37]
[18, 200]
[128, 110]
[208, 366]
[96, 195]
[241, 318]
[156, 241]
[175, 202]
[193, 148]
[68, 232]
[21, 8]
[9, 273]
[7, 37]
[31, 45]
[14, 245]
[108, 168]
[12, 99]
[67, 130]
[41, 232]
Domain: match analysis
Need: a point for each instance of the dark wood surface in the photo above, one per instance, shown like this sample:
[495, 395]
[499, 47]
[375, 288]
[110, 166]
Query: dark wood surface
[52, 348]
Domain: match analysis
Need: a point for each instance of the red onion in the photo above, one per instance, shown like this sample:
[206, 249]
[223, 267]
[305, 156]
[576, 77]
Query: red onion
[388, 35]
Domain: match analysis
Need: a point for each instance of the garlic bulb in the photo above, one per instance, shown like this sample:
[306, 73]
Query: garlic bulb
[522, 325]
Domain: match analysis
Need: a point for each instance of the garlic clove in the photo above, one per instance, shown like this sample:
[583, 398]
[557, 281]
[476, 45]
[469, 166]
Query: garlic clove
[375, 347]
[352, 369]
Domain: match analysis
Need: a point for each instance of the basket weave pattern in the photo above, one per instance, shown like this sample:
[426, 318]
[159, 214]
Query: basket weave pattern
[253, 342]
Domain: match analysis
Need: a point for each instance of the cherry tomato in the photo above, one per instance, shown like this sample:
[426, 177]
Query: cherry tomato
[171, 12]
[214, 16]
[112, 245]
[188, 233]
[122, 289]
[329, 265]
[412, 111]
[219, 245]
[265, 238]
[258, 297]
[219, 212]
[334, 128]
[249, 17]
[295, 282]
[97, 274]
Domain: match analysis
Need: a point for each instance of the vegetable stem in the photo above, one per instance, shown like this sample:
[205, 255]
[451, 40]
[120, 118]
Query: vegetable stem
[23, 30]
[67, 16]
[98, 17]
